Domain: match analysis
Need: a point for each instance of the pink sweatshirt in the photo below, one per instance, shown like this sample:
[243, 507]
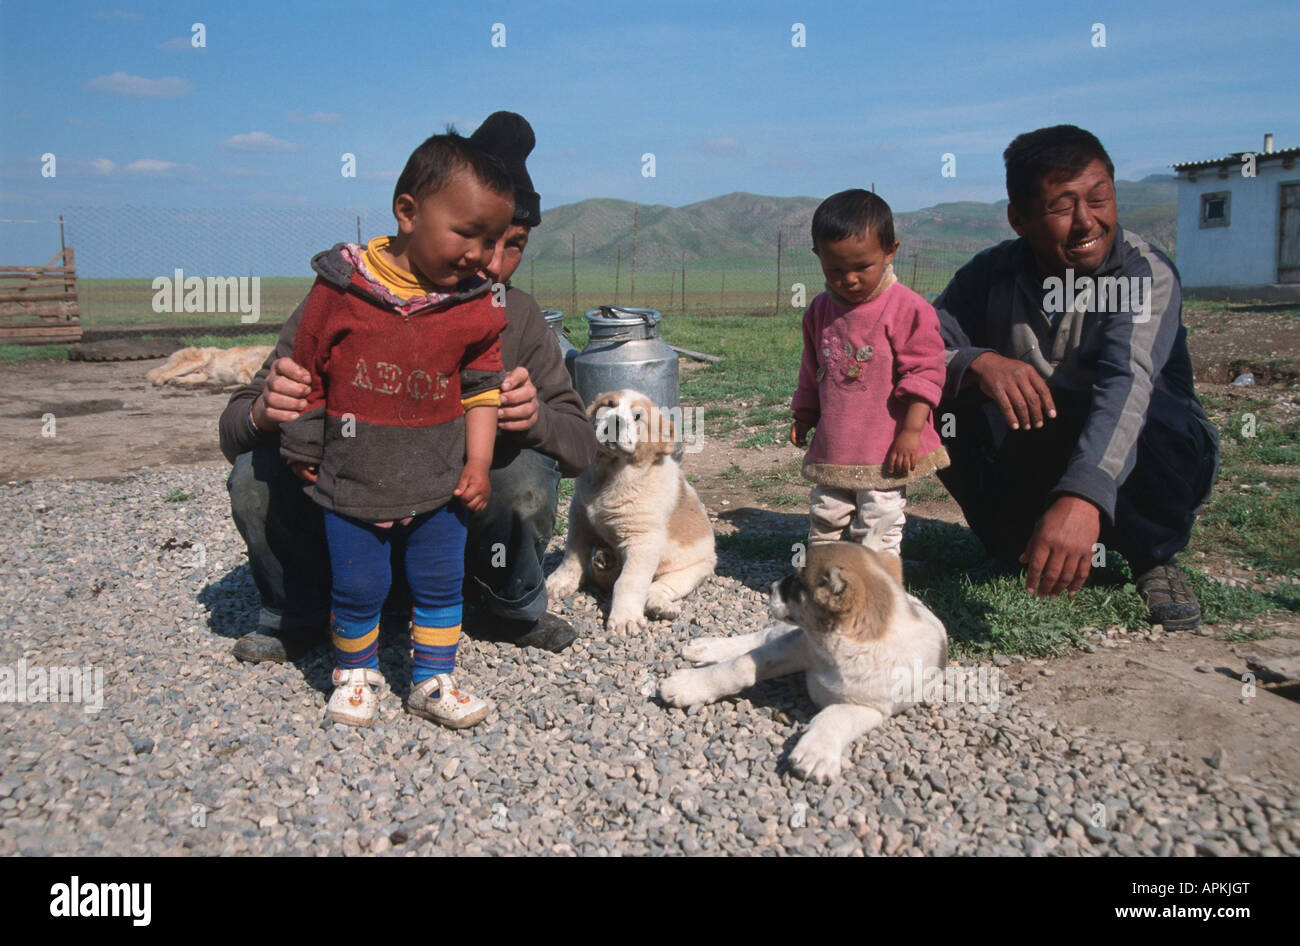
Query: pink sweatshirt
[858, 364]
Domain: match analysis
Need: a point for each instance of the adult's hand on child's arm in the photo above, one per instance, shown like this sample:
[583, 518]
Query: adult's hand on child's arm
[1015, 387]
[799, 433]
[283, 397]
[519, 405]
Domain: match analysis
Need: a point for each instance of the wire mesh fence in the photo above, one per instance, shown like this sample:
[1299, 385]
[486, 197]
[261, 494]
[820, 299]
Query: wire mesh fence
[122, 252]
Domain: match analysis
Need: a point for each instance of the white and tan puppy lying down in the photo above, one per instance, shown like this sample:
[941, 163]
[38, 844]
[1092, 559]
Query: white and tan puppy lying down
[210, 365]
[635, 524]
[853, 630]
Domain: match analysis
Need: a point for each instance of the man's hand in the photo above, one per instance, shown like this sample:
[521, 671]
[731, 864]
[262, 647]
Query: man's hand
[519, 404]
[799, 433]
[283, 397]
[304, 471]
[474, 487]
[1059, 553]
[1016, 387]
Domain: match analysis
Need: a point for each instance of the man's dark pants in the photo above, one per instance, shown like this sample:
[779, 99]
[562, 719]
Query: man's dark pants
[1001, 478]
[285, 535]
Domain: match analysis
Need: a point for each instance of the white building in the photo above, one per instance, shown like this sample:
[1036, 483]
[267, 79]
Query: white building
[1239, 224]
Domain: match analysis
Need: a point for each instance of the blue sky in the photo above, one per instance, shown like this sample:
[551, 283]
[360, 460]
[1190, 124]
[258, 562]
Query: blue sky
[260, 117]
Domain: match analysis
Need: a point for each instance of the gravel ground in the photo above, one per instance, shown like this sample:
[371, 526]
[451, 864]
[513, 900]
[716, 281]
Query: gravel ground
[195, 752]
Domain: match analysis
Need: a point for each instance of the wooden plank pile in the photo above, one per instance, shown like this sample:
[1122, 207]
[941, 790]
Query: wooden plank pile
[38, 304]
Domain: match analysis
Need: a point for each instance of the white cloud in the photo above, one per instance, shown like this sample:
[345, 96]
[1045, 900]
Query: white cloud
[103, 165]
[119, 83]
[258, 141]
[315, 118]
[153, 167]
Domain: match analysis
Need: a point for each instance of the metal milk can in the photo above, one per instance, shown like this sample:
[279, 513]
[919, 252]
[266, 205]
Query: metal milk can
[624, 350]
[555, 319]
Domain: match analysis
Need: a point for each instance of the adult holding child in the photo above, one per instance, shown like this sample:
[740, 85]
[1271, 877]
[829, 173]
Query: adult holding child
[1070, 416]
[542, 434]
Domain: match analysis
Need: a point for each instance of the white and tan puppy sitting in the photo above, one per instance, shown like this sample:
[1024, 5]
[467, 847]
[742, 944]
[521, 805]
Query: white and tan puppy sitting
[635, 524]
[222, 366]
[854, 631]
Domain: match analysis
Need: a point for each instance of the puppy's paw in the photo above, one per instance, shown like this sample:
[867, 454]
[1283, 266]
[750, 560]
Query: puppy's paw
[626, 622]
[707, 650]
[561, 584]
[660, 607]
[686, 688]
[815, 759]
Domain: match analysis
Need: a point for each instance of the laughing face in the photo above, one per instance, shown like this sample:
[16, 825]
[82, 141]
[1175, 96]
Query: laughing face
[1072, 222]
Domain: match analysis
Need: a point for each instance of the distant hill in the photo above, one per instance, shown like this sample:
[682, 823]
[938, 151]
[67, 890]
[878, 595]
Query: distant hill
[738, 228]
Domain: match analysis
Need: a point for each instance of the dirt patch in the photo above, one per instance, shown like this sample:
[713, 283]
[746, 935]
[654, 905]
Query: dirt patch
[1154, 693]
[107, 420]
[1263, 342]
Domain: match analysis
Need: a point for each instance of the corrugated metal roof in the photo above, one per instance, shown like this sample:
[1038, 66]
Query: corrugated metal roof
[1235, 159]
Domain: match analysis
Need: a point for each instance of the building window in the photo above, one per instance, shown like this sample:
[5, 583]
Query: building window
[1214, 209]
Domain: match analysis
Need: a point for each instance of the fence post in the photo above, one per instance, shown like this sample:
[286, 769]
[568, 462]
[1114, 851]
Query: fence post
[777, 307]
[636, 217]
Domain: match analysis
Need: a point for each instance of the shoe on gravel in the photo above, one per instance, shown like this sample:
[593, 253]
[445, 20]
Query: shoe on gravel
[550, 632]
[1168, 597]
[277, 645]
[438, 699]
[353, 702]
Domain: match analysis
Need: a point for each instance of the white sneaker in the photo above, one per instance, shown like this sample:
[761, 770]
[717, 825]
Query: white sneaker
[438, 699]
[353, 702]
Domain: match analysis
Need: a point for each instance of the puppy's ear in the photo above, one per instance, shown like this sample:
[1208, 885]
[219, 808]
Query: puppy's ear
[607, 399]
[830, 589]
[660, 428]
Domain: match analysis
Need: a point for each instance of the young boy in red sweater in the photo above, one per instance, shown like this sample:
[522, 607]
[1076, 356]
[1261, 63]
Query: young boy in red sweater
[402, 341]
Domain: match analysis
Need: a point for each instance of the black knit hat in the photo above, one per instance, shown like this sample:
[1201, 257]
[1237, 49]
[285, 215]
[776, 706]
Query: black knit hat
[509, 137]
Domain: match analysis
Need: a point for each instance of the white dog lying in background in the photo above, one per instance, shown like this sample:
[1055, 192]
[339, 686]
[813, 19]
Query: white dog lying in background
[635, 524]
[210, 365]
[853, 630]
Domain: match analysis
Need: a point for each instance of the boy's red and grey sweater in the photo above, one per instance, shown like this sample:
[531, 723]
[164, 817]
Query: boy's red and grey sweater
[384, 419]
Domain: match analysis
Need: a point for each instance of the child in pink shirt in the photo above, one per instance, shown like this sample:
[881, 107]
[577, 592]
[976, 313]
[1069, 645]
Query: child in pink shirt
[872, 372]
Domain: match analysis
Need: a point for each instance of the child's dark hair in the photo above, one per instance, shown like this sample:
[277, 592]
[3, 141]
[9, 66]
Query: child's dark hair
[437, 160]
[853, 213]
[1061, 151]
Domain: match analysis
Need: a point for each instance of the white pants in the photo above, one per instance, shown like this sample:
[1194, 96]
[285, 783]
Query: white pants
[831, 510]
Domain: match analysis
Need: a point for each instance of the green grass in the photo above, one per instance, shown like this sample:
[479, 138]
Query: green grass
[177, 496]
[120, 302]
[17, 354]
[1258, 526]
[225, 341]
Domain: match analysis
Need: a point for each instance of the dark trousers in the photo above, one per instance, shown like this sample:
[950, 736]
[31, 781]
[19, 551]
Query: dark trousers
[1001, 478]
[285, 535]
